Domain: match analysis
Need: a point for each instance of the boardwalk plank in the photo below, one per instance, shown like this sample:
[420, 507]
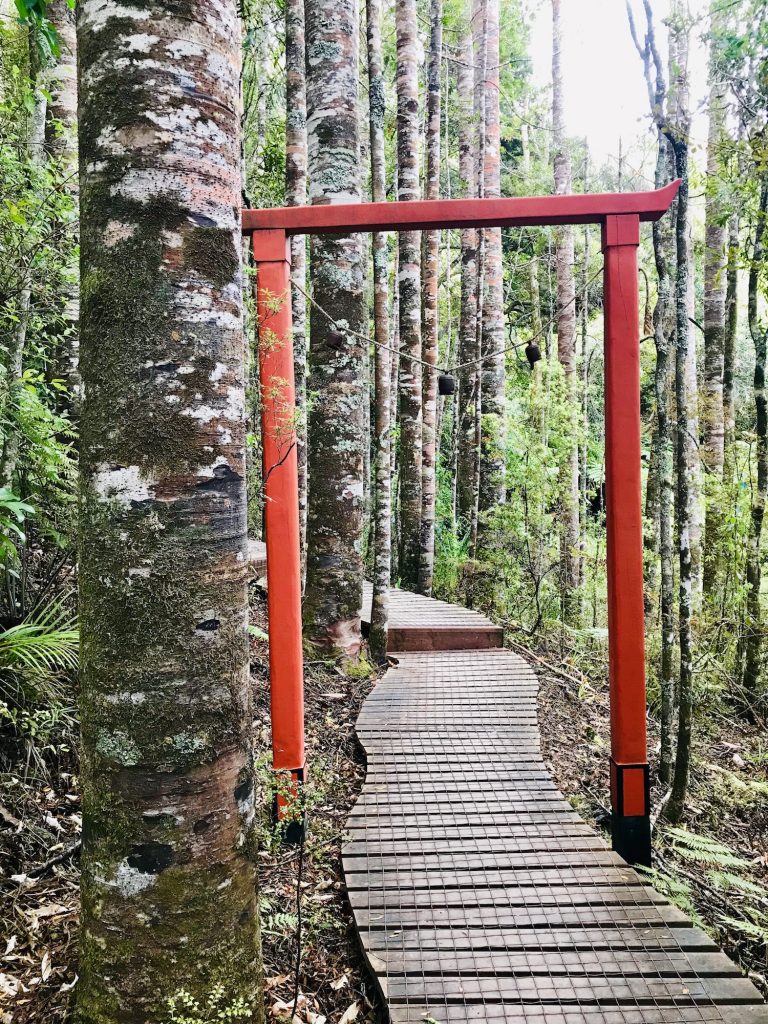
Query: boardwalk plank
[478, 893]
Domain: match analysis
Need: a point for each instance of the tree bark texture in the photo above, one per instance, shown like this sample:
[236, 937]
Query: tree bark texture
[759, 335]
[337, 366]
[466, 456]
[566, 339]
[677, 133]
[430, 269]
[493, 451]
[169, 887]
[409, 287]
[382, 553]
[296, 195]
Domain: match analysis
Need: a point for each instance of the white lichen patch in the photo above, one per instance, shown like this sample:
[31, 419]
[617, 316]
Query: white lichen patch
[97, 16]
[209, 471]
[130, 881]
[141, 42]
[218, 372]
[116, 232]
[123, 484]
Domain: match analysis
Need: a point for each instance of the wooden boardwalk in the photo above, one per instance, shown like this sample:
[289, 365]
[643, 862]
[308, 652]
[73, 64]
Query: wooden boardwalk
[479, 894]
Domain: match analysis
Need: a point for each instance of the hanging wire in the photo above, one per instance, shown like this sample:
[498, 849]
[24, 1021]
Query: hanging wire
[448, 369]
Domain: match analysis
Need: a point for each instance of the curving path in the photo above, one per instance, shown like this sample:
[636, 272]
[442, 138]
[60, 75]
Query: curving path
[478, 892]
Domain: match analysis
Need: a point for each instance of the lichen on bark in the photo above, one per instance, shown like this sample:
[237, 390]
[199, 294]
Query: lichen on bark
[169, 884]
[337, 366]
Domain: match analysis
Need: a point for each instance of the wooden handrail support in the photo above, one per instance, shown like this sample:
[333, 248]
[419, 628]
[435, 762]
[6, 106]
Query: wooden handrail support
[619, 216]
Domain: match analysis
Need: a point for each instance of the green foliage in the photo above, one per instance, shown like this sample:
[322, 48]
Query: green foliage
[183, 1008]
[34, 653]
[703, 849]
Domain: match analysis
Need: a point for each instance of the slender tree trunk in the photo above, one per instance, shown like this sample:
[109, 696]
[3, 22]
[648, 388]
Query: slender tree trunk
[16, 348]
[61, 144]
[430, 310]
[169, 886]
[729, 348]
[566, 340]
[296, 195]
[466, 456]
[677, 134]
[382, 554]
[492, 455]
[337, 437]
[409, 279]
[759, 335]
[663, 254]
[715, 286]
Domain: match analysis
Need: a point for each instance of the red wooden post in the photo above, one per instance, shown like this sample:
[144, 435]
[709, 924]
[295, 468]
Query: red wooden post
[281, 504]
[624, 523]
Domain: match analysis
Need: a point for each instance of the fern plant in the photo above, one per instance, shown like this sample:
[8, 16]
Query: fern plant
[35, 652]
[704, 850]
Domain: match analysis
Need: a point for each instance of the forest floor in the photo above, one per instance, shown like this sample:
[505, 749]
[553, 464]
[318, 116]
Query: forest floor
[40, 827]
[719, 876]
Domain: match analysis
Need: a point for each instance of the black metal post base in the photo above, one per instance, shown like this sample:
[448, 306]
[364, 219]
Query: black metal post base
[632, 838]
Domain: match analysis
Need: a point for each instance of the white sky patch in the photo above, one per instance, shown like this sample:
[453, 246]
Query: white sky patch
[605, 93]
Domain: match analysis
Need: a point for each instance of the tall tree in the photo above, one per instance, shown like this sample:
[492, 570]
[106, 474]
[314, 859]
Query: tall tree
[409, 295]
[492, 455]
[758, 330]
[296, 195]
[382, 544]
[663, 333]
[677, 131]
[169, 886]
[566, 337]
[715, 286]
[430, 268]
[469, 376]
[337, 361]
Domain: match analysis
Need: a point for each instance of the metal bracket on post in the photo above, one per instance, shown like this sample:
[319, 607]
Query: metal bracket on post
[281, 513]
[626, 628]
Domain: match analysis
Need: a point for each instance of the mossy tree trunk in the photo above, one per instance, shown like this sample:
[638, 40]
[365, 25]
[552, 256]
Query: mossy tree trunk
[337, 359]
[169, 896]
[430, 308]
[715, 287]
[466, 456]
[382, 545]
[296, 195]
[409, 293]
[566, 341]
[753, 644]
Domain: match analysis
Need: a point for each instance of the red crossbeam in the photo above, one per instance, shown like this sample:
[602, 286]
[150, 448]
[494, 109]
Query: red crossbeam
[459, 213]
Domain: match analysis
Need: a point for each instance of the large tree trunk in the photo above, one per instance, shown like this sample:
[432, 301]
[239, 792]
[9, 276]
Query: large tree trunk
[382, 552]
[466, 456]
[566, 340]
[759, 334]
[492, 455]
[715, 283]
[337, 437]
[430, 309]
[409, 280]
[296, 195]
[169, 886]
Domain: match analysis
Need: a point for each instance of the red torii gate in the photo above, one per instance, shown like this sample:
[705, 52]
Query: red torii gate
[619, 215]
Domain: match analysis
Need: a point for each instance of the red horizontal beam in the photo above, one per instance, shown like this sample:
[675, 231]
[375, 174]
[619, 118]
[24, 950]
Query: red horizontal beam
[425, 215]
